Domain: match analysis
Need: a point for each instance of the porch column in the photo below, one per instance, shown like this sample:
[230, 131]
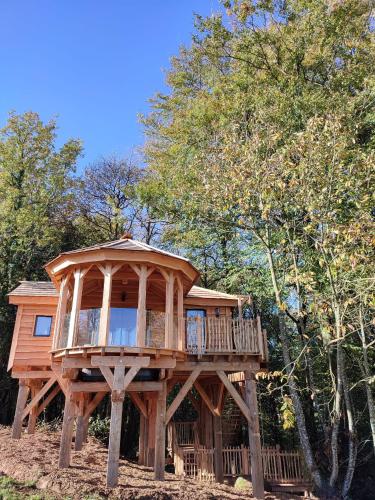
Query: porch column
[106, 305]
[254, 436]
[141, 312]
[169, 289]
[180, 315]
[76, 306]
[61, 311]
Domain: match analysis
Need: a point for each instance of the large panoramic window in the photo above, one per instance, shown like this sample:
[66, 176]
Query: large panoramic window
[42, 326]
[123, 326]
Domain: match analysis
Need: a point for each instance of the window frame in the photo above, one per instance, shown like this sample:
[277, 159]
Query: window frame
[36, 324]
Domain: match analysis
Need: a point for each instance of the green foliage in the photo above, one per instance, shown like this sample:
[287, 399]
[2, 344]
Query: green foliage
[99, 428]
[266, 139]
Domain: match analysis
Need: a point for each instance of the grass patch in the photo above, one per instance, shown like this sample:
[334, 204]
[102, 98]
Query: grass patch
[10, 489]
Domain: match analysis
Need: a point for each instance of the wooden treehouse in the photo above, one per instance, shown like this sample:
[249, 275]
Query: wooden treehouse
[124, 317]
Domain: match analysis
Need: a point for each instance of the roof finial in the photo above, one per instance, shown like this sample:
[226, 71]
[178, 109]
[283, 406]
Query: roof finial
[127, 236]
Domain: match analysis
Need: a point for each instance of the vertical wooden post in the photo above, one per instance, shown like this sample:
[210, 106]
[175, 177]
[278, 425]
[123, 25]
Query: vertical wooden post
[118, 395]
[180, 315]
[61, 312]
[67, 431]
[159, 465]
[169, 292]
[33, 415]
[106, 305]
[76, 306]
[151, 431]
[254, 436]
[219, 476]
[141, 446]
[141, 312]
[81, 424]
[23, 393]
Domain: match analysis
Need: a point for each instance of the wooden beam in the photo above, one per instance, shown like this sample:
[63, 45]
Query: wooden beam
[160, 426]
[164, 362]
[38, 396]
[214, 366]
[254, 437]
[203, 394]
[181, 395]
[108, 375]
[141, 311]
[113, 361]
[23, 393]
[32, 374]
[232, 391]
[139, 403]
[106, 305]
[104, 387]
[93, 404]
[220, 399]
[48, 399]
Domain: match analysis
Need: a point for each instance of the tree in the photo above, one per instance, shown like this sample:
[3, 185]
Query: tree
[269, 128]
[36, 215]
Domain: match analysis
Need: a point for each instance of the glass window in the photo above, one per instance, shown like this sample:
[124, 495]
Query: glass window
[195, 330]
[42, 326]
[123, 327]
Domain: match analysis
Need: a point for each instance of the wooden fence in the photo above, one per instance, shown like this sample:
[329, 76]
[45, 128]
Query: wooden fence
[279, 467]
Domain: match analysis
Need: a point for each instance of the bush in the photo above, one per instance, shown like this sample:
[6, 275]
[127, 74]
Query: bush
[99, 428]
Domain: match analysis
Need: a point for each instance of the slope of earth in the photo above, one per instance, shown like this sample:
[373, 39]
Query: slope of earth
[34, 458]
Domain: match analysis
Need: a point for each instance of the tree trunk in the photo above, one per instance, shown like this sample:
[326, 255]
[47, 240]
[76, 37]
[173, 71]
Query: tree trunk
[366, 375]
[352, 453]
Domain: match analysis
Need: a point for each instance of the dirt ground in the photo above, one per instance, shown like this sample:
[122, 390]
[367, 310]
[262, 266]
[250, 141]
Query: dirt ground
[34, 458]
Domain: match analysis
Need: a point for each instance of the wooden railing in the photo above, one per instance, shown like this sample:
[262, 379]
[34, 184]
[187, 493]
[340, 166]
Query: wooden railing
[279, 467]
[202, 335]
[225, 335]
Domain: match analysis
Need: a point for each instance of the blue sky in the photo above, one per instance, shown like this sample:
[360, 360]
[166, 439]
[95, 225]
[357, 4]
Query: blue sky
[93, 64]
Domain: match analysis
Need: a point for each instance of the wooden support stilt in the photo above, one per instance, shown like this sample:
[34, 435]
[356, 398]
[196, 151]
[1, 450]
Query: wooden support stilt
[23, 393]
[118, 395]
[141, 447]
[254, 437]
[80, 426]
[150, 439]
[67, 432]
[34, 412]
[160, 426]
[219, 476]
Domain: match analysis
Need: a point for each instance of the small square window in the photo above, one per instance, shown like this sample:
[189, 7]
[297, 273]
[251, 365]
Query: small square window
[42, 326]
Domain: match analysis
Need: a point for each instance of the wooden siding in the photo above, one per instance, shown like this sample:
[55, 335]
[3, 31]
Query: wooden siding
[28, 350]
